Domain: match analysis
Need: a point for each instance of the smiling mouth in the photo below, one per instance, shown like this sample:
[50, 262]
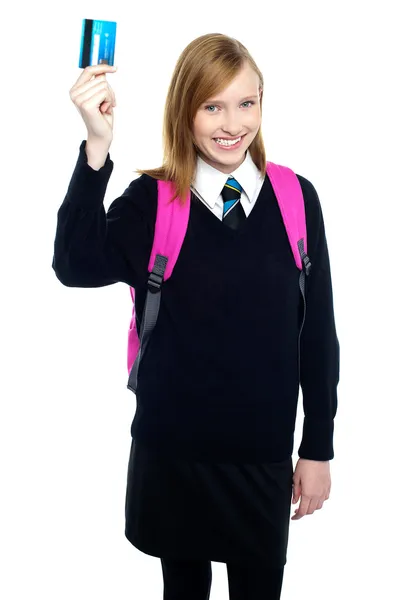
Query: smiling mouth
[229, 146]
[240, 137]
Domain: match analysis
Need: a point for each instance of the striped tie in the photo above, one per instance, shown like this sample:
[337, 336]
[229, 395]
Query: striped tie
[233, 212]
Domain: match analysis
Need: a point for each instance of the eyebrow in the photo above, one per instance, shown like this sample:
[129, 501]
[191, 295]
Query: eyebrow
[221, 102]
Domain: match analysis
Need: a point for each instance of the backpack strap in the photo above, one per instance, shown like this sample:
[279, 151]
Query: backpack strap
[289, 196]
[290, 199]
[170, 230]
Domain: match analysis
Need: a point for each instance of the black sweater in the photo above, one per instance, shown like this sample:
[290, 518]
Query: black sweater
[219, 380]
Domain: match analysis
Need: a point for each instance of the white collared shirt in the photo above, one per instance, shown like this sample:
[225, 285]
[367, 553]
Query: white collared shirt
[209, 182]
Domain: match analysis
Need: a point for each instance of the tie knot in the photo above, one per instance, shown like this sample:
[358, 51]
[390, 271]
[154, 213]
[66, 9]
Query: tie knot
[231, 190]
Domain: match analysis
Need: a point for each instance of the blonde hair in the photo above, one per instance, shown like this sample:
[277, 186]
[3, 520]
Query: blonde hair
[206, 66]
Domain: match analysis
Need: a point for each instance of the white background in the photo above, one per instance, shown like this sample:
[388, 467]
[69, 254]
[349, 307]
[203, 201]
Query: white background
[331, 114]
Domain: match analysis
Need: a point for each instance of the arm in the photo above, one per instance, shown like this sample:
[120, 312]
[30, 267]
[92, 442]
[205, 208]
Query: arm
[319, 373]
[95, 248]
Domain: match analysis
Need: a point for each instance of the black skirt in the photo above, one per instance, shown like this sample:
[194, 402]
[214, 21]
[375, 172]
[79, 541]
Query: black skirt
[219, 512]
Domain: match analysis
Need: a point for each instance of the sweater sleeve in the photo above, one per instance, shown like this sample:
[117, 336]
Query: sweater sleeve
[95, 248]
[319, 346]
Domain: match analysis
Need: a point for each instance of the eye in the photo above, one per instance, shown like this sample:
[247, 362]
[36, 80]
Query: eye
[213, 105]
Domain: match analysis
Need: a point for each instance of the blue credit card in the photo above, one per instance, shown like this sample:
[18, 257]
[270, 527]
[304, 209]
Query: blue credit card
[97, 44]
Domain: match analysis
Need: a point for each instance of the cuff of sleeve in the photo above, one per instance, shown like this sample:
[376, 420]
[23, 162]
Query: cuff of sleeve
[87, 186]
[317, 440]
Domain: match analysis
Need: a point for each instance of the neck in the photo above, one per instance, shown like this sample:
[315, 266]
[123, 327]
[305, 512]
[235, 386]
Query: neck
[226, 169]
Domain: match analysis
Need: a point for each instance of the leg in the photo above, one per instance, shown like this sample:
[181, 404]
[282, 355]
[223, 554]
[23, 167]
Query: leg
[254, 582]
[185, 580]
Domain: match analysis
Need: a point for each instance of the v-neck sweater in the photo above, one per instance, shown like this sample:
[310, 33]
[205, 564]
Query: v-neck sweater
[220, 377]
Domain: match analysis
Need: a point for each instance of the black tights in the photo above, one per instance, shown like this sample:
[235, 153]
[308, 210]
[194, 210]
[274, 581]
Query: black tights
[192, 580]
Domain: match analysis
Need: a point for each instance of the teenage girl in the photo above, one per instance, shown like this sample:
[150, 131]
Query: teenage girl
[210, 475]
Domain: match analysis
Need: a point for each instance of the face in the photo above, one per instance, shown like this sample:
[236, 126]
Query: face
[234, 113]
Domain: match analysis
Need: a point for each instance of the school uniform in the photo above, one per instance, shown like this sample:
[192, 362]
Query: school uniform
[210, 468]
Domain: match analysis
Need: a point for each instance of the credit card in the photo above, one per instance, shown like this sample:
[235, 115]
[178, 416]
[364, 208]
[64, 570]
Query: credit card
[97, 44]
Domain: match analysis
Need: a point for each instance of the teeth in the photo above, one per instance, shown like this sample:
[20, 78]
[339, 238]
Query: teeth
[227, 142]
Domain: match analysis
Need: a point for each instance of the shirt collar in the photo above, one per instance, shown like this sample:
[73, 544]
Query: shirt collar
[209, 182]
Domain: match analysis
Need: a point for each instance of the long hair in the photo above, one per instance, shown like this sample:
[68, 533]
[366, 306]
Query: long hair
[206, 66]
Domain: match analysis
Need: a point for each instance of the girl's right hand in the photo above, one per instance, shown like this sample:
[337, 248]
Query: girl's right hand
[95, 99]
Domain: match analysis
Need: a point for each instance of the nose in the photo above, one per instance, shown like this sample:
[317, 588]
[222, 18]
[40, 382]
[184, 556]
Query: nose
[232, 125]
[232, 131]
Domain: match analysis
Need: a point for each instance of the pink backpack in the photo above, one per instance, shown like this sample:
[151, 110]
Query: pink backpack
[170, 230]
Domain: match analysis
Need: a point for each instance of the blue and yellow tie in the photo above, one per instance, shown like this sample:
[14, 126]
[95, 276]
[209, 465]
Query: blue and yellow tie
[233, 212]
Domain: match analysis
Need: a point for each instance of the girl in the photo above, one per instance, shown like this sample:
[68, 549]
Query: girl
[210, 474]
